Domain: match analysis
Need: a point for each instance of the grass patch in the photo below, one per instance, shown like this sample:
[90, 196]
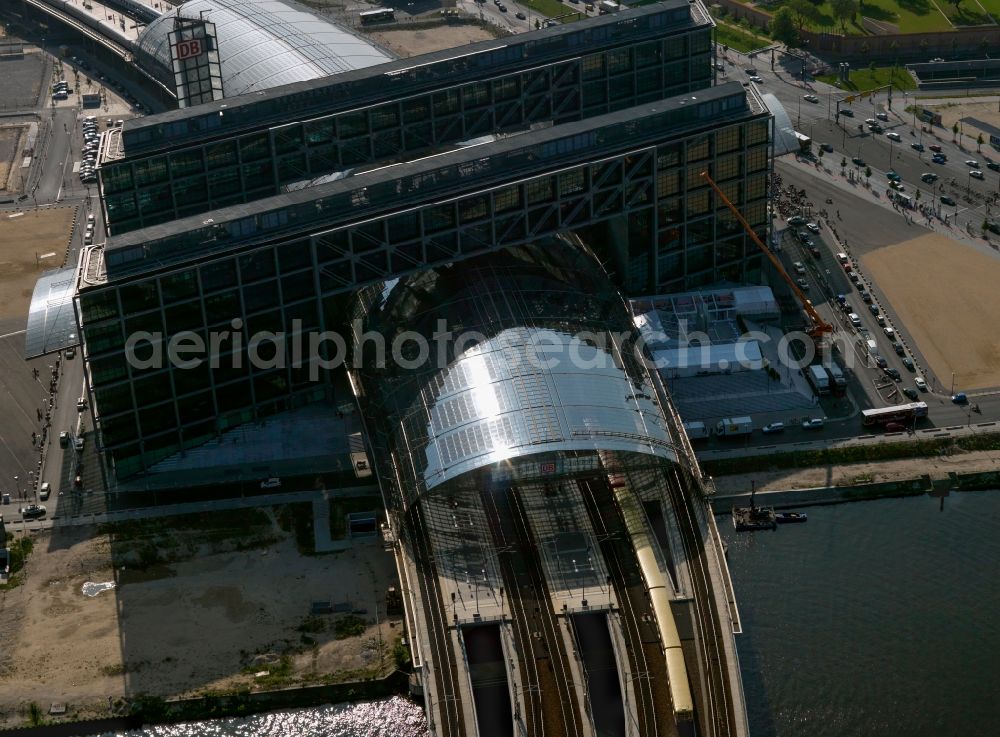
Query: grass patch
[968, 13]
[866, 79]
[852, 454]
[548, 8]
[142, 544]
[298, 517]
[18, 549]
[738, 38]
[911, 16]
[340, 508]
[349, 626]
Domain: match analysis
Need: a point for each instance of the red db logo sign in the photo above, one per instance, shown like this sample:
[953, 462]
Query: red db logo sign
[188, 49]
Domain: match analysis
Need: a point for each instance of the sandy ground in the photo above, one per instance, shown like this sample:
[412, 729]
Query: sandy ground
[861, 473]
[21, 238]
[952, 112]
[211, 621]
[412, 43]
[945, 293]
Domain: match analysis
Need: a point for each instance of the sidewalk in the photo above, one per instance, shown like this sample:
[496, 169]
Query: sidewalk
[930, 433]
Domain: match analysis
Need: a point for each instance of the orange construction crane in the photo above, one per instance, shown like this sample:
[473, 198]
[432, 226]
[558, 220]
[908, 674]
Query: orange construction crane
[820, 327]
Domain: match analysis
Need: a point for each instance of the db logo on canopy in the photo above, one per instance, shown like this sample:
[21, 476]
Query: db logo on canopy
[188, 49]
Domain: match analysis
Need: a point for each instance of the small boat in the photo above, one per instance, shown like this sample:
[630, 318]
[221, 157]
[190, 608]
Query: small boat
[783, 518]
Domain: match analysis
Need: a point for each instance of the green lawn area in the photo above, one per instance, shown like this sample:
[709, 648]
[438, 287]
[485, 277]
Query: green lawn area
[967, 13]
[550, 8]
[738, 38]
[912, 16]
[866, 79]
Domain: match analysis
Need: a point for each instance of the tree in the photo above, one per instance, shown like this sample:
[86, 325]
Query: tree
[843, 162]
[955, 3]
[918, 195]
[783, 27]
[804, 12]
[844, 11]
[979, 143]
[868, 173]
[954, 131]
[871, 67]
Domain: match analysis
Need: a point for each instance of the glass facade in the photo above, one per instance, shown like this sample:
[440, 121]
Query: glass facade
[678, 236]
[622, 168]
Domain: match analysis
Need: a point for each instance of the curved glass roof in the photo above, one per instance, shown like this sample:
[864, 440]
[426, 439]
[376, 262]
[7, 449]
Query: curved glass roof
[528, 365]
[266, 43]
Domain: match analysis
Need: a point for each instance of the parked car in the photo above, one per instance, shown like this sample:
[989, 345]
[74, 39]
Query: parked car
[814, 227]
[893, 373]
[929, 177]
[866, 296]
[976, 174]
[972, 163]
[920, 383]
[796, 220]
[873, 309]
[882, 116]
[892, 135]
[855, 319]
[960, 398]
[803, 284]
[935, 148]
[858, 161]
[799, 268]
[892, 176]
[900, 350]
[880, 362]
[908, 363]
[773, 427]
[78, 443]
[813, 423]
[44, 490]
[64, 439]
[917, 146]
[33, 511]
[81, 404]
[889, 333]
[946, 200]
[911, 393]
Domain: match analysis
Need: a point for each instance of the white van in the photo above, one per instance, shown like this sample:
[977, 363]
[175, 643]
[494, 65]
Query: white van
[872, 347]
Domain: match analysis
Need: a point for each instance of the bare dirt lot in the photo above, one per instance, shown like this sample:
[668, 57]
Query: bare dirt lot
[21, 238]
[945, 293]
[10, 139]
[412, 42]
[204, 602]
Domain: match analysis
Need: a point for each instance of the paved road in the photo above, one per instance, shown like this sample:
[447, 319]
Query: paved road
[820, 122]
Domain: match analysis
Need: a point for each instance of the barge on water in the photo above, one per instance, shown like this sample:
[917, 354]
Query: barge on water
[746, 519]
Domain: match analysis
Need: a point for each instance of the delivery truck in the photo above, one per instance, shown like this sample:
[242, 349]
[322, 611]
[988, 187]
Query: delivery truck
[729, 427]
[696, 430]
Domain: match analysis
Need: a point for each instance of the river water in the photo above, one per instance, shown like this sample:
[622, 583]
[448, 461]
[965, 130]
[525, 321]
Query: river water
[873, 619]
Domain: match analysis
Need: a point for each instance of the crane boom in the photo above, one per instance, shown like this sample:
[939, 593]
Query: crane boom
[820, 326]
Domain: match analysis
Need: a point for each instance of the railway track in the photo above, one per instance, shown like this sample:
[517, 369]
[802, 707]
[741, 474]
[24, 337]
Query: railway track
[561, 718]
[718, 696]
[645, 658]
[512, 578]
[443, 661]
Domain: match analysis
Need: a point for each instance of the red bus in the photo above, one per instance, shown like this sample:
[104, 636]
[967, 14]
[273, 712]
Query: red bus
[903, 413]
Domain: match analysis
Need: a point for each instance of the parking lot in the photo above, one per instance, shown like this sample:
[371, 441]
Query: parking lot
[840, 287]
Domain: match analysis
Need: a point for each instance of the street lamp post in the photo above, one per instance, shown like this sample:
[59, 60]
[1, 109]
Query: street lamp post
[952, 383]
